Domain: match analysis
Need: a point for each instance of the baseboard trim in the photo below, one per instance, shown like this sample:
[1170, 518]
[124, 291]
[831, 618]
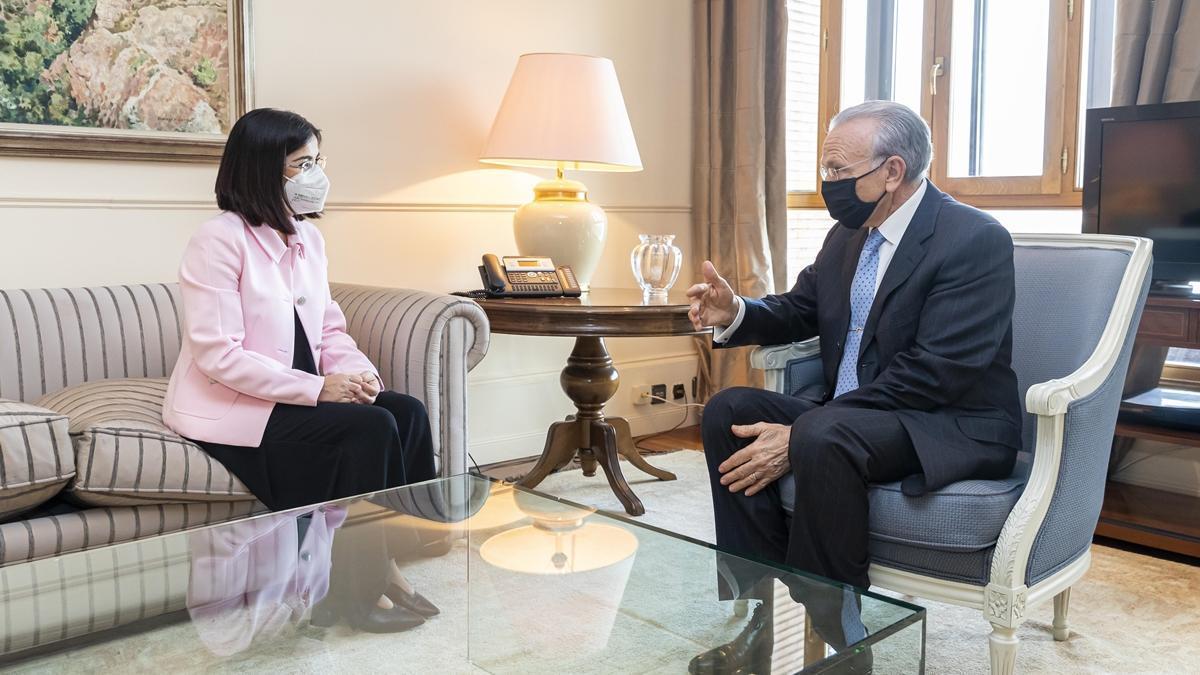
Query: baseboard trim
[506, 463]
[658, 422]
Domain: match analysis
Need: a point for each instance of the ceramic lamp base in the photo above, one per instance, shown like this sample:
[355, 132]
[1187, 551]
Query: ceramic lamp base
[562, 224]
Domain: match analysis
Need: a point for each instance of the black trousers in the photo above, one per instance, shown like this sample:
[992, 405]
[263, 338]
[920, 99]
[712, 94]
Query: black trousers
[835, 453]
[372, 537]
[334, 450]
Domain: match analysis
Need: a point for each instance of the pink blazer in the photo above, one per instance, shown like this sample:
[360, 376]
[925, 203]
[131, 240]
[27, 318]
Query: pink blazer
[240, 287]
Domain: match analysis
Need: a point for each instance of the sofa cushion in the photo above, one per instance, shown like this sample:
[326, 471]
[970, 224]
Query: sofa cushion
[59, 529]
[36, 460]
[126, 456]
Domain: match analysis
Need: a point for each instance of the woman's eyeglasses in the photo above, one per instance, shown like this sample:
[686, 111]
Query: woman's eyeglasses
[305, 165]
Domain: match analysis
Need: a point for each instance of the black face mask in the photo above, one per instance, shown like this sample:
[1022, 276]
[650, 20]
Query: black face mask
[841, 199]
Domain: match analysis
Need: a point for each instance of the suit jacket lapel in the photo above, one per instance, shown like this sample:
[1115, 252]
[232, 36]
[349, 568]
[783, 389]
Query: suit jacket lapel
[906, 258]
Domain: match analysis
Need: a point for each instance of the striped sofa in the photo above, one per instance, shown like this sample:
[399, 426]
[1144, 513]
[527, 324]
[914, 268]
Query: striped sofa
[82, 375]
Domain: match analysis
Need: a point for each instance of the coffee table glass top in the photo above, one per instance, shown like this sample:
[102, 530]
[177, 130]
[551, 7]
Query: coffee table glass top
[525, 583]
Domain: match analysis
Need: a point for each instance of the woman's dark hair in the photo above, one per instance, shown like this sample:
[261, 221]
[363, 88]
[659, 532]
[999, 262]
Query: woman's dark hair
[250, 180]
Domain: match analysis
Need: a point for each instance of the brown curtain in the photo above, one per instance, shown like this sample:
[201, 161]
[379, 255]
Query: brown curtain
[739, 193]
[1157, 52]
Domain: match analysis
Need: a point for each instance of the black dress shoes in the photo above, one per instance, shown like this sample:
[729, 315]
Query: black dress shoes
[374, 620]
[749, 652]
[393, 620]
[860, 662]
[414, 602]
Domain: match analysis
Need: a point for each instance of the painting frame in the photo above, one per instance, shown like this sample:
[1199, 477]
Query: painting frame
[47, 140]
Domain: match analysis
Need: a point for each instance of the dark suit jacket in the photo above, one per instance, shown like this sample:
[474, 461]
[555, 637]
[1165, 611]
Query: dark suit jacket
[937, 345]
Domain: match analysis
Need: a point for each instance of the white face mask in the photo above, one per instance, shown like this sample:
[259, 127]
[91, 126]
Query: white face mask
[306, 192]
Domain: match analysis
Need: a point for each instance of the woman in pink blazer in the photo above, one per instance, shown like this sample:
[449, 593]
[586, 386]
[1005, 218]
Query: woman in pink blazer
[268, 382]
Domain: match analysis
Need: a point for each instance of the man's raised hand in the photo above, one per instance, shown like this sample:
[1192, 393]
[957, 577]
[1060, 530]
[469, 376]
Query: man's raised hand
[712, 301]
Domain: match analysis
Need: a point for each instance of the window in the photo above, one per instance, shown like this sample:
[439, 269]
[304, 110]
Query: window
[1004, 85]
[882, 46]
[1095, 78]
[997, 112]
[803, 127]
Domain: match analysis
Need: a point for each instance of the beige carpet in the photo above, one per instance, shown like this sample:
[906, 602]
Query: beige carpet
[1130, 614]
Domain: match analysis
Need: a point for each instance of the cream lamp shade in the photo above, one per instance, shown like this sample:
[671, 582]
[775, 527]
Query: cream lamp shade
[563, 112]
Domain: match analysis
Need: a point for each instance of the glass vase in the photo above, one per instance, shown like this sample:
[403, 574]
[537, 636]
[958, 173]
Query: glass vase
[655, 263]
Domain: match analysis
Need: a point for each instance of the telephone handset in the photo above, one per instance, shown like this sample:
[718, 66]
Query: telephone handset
[526, 277]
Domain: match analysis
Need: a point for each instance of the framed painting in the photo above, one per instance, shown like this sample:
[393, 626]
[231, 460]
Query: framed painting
[122, 79]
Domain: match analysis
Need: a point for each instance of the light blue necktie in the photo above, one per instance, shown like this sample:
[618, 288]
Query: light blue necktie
[862, 294]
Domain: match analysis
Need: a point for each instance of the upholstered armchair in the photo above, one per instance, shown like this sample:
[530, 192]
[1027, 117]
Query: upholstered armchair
[1005, 546]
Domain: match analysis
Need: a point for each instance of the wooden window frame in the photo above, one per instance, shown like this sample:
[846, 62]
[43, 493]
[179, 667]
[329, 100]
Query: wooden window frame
[1055, 188]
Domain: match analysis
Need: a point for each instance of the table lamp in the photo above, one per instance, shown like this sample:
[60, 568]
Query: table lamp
[563, 111]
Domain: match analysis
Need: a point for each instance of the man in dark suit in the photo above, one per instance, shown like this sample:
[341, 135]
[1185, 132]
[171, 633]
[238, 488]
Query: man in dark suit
[912, 297]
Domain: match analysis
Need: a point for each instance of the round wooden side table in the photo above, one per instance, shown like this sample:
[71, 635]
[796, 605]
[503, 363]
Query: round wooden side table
[589, 379]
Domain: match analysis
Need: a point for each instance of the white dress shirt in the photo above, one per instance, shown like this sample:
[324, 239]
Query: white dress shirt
[892, 229]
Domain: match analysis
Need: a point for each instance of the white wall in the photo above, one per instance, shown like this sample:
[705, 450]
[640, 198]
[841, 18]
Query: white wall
[405, 93]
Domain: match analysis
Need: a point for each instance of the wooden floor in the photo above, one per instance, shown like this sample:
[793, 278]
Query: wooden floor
[687, 438]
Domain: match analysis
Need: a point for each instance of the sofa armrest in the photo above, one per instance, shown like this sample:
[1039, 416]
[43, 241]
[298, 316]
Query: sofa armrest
[424, 344]
[789, 368]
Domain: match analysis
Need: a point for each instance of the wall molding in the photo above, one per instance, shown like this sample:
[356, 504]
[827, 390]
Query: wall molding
[133, 204]
[91, 203]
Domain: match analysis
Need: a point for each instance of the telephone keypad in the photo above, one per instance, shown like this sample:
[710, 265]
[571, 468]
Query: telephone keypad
[532, 277]
[535, 282]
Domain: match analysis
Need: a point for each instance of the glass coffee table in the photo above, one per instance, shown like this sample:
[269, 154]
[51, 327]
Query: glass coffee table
[525, 583]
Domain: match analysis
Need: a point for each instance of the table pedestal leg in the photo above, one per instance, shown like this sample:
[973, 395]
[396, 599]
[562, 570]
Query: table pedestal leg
[561, 446]
[629, 450]
[590, 380]
[587, 460]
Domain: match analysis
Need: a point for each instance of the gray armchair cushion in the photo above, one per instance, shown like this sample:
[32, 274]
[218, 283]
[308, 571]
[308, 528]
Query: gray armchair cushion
[932, 533]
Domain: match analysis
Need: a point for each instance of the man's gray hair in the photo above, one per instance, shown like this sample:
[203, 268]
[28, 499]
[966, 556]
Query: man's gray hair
[900, 131]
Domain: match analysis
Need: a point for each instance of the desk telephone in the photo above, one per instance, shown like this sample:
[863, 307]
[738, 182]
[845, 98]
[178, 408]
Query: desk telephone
[526, 277]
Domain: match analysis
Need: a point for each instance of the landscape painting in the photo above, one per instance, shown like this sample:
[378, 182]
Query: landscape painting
[142, 79]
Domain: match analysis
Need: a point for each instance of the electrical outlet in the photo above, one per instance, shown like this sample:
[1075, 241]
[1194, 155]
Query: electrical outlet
[641, 394]
[678, 392]
[659, 390]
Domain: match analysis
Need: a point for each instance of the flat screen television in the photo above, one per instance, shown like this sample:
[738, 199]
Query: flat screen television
[1142, 178]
